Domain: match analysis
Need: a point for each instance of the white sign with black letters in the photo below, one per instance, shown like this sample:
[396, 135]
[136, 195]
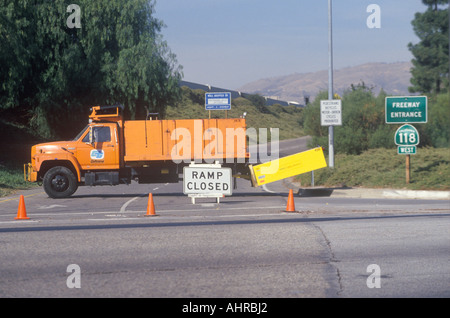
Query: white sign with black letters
[331, 112]
[200, 179]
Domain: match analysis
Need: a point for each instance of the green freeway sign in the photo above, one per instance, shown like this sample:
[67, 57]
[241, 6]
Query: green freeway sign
[406, 109]
[406, 135]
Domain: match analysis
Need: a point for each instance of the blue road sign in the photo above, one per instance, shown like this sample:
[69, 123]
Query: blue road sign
[218, 101]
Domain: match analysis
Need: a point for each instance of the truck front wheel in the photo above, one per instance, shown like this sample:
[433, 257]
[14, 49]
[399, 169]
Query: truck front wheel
[59, 182]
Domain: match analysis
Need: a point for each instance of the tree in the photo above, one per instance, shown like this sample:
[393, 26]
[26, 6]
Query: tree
[51, 73]
[431, 55]
[437, 130]
[363, 124]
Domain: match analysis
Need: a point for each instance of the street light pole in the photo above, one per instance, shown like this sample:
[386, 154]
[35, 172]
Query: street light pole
[330, 83]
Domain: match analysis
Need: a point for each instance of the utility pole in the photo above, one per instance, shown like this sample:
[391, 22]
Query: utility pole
[330, 83]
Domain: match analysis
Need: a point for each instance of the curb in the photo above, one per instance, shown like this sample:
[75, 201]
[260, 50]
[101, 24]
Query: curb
[417, 194]
[367, 193]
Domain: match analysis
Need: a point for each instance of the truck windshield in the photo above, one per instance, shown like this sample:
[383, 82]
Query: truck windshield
[81, 133]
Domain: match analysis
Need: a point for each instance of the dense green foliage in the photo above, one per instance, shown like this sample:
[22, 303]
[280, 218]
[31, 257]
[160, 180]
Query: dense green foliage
[363, 122]
[51, 73]
[430, 72]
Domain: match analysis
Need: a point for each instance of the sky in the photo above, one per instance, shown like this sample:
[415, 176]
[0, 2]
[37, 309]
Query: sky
[229, 43]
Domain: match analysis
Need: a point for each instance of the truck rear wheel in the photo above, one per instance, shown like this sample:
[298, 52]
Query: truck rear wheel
[60, 182]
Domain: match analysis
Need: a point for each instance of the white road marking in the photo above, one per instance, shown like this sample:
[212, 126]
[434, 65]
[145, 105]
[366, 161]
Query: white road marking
[141, 211]
[19, 221]
[114, 219]
[45, 207]
[221, 209]
[264, 187]
[125, 205]
[203, 217]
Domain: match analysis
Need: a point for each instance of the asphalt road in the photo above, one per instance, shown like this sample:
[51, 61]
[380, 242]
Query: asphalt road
[245, 246]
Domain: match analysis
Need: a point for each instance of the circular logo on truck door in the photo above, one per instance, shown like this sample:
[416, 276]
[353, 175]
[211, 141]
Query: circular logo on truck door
[97, 154]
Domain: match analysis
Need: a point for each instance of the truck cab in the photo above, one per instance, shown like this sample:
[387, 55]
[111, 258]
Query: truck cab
[98, 147]
[62, 166]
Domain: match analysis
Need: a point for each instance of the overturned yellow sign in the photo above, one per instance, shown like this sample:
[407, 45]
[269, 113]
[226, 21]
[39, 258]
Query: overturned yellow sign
[288, 166]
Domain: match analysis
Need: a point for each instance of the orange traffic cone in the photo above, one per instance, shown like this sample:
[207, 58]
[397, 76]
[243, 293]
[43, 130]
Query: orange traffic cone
[22, 211]
[150, 206]
[290, 207]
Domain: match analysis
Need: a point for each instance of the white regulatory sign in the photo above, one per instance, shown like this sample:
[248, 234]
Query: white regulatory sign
[331, 112]
[208, 181]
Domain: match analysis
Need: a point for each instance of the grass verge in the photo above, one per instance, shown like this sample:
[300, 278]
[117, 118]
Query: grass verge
[384, 168]
[11, 180]
[15, 144]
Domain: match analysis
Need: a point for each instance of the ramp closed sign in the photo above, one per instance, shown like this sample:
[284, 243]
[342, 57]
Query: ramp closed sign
[203, 180]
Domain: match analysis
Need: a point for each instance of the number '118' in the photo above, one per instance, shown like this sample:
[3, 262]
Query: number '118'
[407, 137]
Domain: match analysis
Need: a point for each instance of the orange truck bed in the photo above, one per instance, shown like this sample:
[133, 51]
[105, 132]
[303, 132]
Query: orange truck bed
[185, 140]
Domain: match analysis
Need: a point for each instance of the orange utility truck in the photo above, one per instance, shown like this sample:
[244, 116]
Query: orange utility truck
[111, 151]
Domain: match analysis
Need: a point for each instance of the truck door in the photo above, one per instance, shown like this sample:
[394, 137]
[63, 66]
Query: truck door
[99, 148]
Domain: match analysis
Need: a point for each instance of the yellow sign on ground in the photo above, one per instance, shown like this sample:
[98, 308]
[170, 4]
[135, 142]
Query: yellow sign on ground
[288, 166]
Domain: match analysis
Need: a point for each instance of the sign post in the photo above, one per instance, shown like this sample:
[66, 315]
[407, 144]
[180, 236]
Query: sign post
[406, 138]
[402, 110]
[331, 115]
[330, 82]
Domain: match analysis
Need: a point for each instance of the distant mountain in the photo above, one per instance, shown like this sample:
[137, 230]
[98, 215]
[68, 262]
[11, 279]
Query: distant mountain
[393, 78]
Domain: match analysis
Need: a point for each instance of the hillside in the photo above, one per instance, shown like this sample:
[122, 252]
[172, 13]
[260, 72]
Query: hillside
[393, 78]
[289, 119]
